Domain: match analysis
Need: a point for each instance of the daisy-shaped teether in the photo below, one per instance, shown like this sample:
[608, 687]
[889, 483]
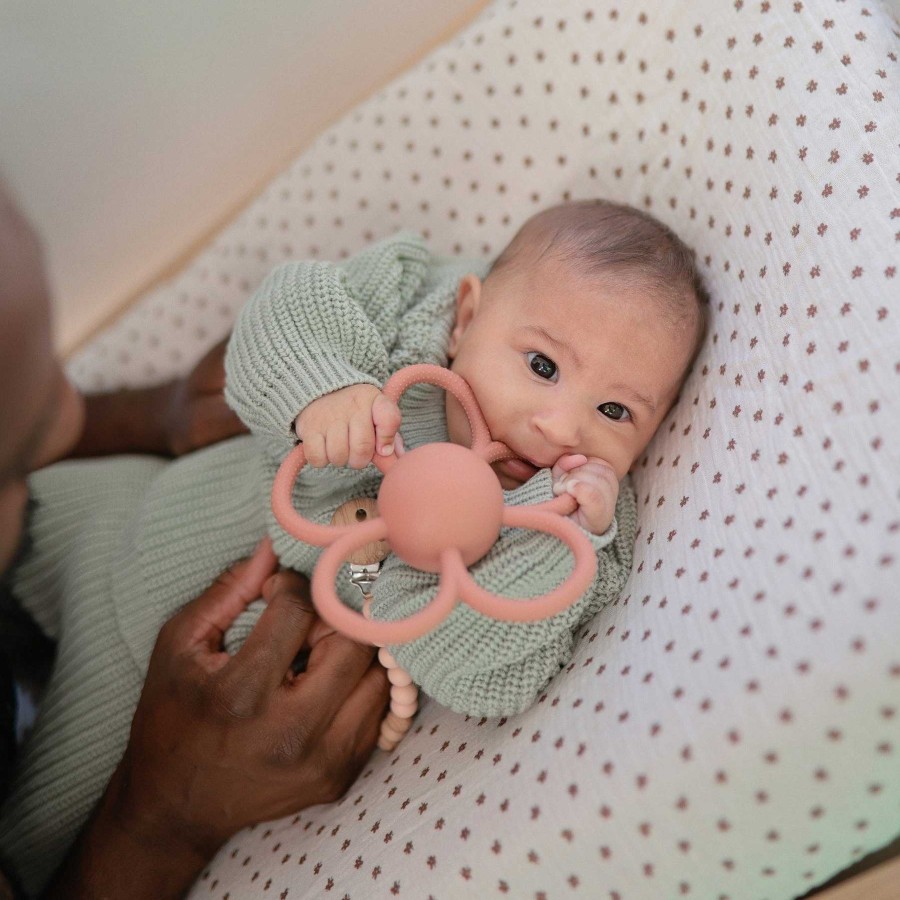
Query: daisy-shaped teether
[440, 509]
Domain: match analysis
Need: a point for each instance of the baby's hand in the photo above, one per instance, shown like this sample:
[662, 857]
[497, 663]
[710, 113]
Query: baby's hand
[344, 427]
[593, 483]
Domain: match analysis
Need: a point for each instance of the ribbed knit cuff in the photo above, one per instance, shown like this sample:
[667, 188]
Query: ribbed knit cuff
[275, 411]
[292, 392]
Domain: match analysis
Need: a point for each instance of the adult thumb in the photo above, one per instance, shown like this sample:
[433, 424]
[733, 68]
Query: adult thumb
[209, 616]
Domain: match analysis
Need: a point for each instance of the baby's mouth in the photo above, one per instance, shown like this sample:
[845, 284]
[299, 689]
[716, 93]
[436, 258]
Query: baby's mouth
[516, 469]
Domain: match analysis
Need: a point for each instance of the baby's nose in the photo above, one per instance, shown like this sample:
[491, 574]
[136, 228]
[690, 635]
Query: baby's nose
[559, 426]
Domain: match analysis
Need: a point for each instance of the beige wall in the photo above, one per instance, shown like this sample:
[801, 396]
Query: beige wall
[128, 131]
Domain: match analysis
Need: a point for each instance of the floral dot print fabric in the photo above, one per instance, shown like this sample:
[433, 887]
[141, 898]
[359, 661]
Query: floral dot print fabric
[730, 728]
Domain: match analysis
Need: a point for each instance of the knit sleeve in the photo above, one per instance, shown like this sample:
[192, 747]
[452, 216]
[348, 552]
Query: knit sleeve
[316, 327]
[479, 666]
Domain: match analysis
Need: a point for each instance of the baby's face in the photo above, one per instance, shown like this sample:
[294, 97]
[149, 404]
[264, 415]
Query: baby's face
[561, 364]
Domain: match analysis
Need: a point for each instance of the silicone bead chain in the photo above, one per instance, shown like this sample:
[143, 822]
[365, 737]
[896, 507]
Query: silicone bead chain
[404, 695]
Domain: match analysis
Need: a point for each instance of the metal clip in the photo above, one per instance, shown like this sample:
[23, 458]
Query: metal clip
[364, 577]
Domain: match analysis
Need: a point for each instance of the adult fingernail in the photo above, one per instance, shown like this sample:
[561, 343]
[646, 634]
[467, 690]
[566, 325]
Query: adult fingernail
[387, 450]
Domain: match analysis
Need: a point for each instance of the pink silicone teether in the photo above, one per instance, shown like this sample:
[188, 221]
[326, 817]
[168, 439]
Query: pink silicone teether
[440, 509]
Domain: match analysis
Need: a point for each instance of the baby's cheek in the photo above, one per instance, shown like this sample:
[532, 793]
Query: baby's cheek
[623, 463]
[457, 424]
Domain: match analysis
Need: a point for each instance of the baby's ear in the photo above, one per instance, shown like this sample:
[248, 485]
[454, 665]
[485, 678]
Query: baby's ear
[468, 297]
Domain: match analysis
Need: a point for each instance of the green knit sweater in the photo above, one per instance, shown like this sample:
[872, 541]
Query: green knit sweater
[121, 543]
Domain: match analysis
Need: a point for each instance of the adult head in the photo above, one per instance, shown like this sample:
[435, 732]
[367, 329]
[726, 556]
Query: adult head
[41, 414]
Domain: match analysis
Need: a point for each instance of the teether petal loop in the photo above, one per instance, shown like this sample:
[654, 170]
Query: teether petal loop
[353, 624]
[512, 609]
[449, 381]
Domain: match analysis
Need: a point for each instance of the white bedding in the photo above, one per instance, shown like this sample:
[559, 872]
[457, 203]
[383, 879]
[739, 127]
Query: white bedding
[729, 729]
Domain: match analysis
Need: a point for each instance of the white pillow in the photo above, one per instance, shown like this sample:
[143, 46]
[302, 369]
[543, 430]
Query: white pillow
[730, 727]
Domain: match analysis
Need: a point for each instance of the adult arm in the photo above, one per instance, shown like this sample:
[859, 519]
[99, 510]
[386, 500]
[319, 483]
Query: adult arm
[218, 743]
[167, 420]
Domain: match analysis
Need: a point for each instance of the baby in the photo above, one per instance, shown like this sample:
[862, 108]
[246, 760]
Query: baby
[575, 342]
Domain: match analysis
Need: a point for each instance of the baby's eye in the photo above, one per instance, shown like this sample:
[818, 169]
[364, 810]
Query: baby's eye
[614, 411]
[542, 366]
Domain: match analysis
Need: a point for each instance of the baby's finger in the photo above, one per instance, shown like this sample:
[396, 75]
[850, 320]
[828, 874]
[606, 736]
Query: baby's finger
[587, 496]
[314, 449]
[595, 504]
[568, 466]
[585, 492]
[566, 463]
[386, 416]
[601, 470]
[362, 440]
[337, 443]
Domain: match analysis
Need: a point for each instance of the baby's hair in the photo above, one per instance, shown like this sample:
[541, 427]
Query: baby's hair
[602, 238]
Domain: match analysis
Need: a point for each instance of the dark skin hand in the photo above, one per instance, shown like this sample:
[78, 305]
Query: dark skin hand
[168, 420]
[218, 742]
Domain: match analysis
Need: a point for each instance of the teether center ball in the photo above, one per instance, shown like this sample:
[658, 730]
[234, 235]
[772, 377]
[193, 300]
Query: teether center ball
[438, 496]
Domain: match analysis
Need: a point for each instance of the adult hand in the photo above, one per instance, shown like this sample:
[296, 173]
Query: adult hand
[197, 414]
[168, 419]
[218, 743]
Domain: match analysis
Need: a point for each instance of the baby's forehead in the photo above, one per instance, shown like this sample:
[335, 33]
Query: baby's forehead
[617, 310]
[549, 285]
